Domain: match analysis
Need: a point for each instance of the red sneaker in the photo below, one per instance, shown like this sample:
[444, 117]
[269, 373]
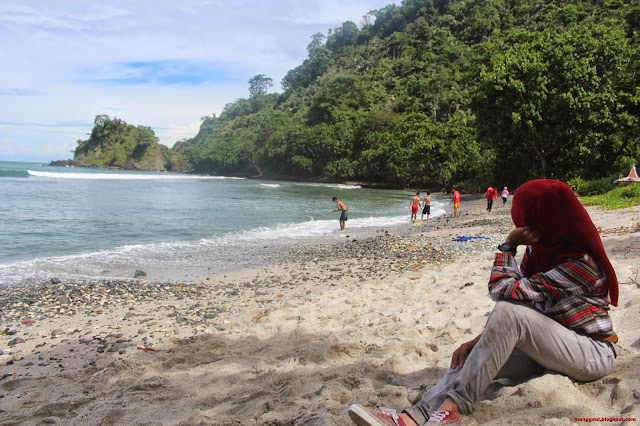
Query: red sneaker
[445, 418]
[380, 417]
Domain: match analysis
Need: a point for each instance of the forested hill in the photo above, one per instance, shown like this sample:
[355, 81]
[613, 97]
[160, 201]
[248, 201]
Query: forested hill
[114, 143]
[445, 92]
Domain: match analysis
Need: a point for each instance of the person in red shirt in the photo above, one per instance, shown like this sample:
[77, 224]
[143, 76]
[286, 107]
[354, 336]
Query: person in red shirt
[491, 195]
[456, 203]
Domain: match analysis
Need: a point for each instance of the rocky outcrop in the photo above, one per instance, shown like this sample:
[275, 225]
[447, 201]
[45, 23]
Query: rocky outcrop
[114, 144]
[68, 163]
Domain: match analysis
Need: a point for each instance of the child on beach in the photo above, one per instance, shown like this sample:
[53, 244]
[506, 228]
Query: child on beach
[550, 313]
[456, 203]
[504, 195]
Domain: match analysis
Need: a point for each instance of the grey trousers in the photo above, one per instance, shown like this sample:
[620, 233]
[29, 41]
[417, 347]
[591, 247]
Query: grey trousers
[517, 342]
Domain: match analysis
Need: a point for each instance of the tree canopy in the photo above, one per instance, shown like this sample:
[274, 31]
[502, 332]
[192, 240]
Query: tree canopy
[435, 92]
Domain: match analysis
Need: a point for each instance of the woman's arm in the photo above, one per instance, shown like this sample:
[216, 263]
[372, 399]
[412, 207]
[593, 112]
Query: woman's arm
[570, 278]
[460, 354]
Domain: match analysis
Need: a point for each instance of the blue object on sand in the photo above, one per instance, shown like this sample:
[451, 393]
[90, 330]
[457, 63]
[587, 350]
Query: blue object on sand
[469, 238]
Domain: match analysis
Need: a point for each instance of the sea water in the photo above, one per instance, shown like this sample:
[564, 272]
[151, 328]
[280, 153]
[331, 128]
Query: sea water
[79, 222]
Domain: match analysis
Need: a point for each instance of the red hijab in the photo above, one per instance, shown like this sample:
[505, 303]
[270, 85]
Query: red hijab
[566, 230]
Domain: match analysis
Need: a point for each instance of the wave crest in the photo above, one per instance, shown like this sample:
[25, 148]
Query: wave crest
[121, 176]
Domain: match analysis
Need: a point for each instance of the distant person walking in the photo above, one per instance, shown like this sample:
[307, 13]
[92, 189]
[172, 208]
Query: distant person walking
[414, 205]
[456, 203]
[426, 206]
[342, 207]
[505, 195]
[491, 195]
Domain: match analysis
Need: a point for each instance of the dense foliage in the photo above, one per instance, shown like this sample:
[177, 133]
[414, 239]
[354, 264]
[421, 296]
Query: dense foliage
[445, 92]
[448, 92]
[114, 143]
[621, 197]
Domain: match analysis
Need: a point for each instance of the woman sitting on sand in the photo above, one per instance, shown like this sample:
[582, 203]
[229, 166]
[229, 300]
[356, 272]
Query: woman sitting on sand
[551, 313]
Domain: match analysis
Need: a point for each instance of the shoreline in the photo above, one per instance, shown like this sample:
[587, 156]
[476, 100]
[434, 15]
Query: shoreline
[296, 338]
[372, 185]
[185, 260]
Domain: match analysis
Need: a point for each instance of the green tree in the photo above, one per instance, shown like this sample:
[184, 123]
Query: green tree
[555, 95]
[316, 43]
[258, 85]
[440, 92]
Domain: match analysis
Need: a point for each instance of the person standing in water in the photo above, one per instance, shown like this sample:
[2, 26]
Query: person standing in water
[342, 207]
[426, 206]
[414, 205]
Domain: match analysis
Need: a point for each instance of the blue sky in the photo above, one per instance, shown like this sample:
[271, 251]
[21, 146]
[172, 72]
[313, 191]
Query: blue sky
[162, 64]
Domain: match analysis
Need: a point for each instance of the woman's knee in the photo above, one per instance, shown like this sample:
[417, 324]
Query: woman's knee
[601, 362]
[509, 310]
[511, 314]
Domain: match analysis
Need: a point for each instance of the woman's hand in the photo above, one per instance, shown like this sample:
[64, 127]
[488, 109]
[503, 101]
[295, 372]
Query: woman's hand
[523, 236]
[460, 355]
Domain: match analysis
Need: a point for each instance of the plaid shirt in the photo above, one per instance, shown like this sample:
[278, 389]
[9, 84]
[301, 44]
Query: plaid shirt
[574, 293]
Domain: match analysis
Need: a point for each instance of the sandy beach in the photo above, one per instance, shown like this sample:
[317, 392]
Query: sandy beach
[372, 319]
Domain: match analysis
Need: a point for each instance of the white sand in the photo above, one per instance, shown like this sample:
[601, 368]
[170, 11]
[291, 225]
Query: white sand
[320, 347]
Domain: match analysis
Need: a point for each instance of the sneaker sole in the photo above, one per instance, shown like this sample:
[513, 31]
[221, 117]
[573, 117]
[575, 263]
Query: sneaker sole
[361, 417]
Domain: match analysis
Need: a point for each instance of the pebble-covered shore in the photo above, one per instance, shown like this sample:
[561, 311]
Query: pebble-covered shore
[143, 315]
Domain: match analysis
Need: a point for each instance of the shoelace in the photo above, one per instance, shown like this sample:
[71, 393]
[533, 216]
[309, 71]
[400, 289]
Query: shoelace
[438, 416]
[391, 414]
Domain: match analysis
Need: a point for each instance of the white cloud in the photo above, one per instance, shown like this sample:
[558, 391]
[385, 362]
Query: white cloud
[161, 64]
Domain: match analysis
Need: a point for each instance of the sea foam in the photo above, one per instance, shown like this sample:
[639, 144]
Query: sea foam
[121, 176]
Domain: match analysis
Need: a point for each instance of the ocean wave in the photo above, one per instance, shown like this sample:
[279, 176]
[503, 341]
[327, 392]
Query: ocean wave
[229, 247]
[334, 185]
[270, 185]
[120, 176]
[14, 173]
[93, 264]
[342, 186]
